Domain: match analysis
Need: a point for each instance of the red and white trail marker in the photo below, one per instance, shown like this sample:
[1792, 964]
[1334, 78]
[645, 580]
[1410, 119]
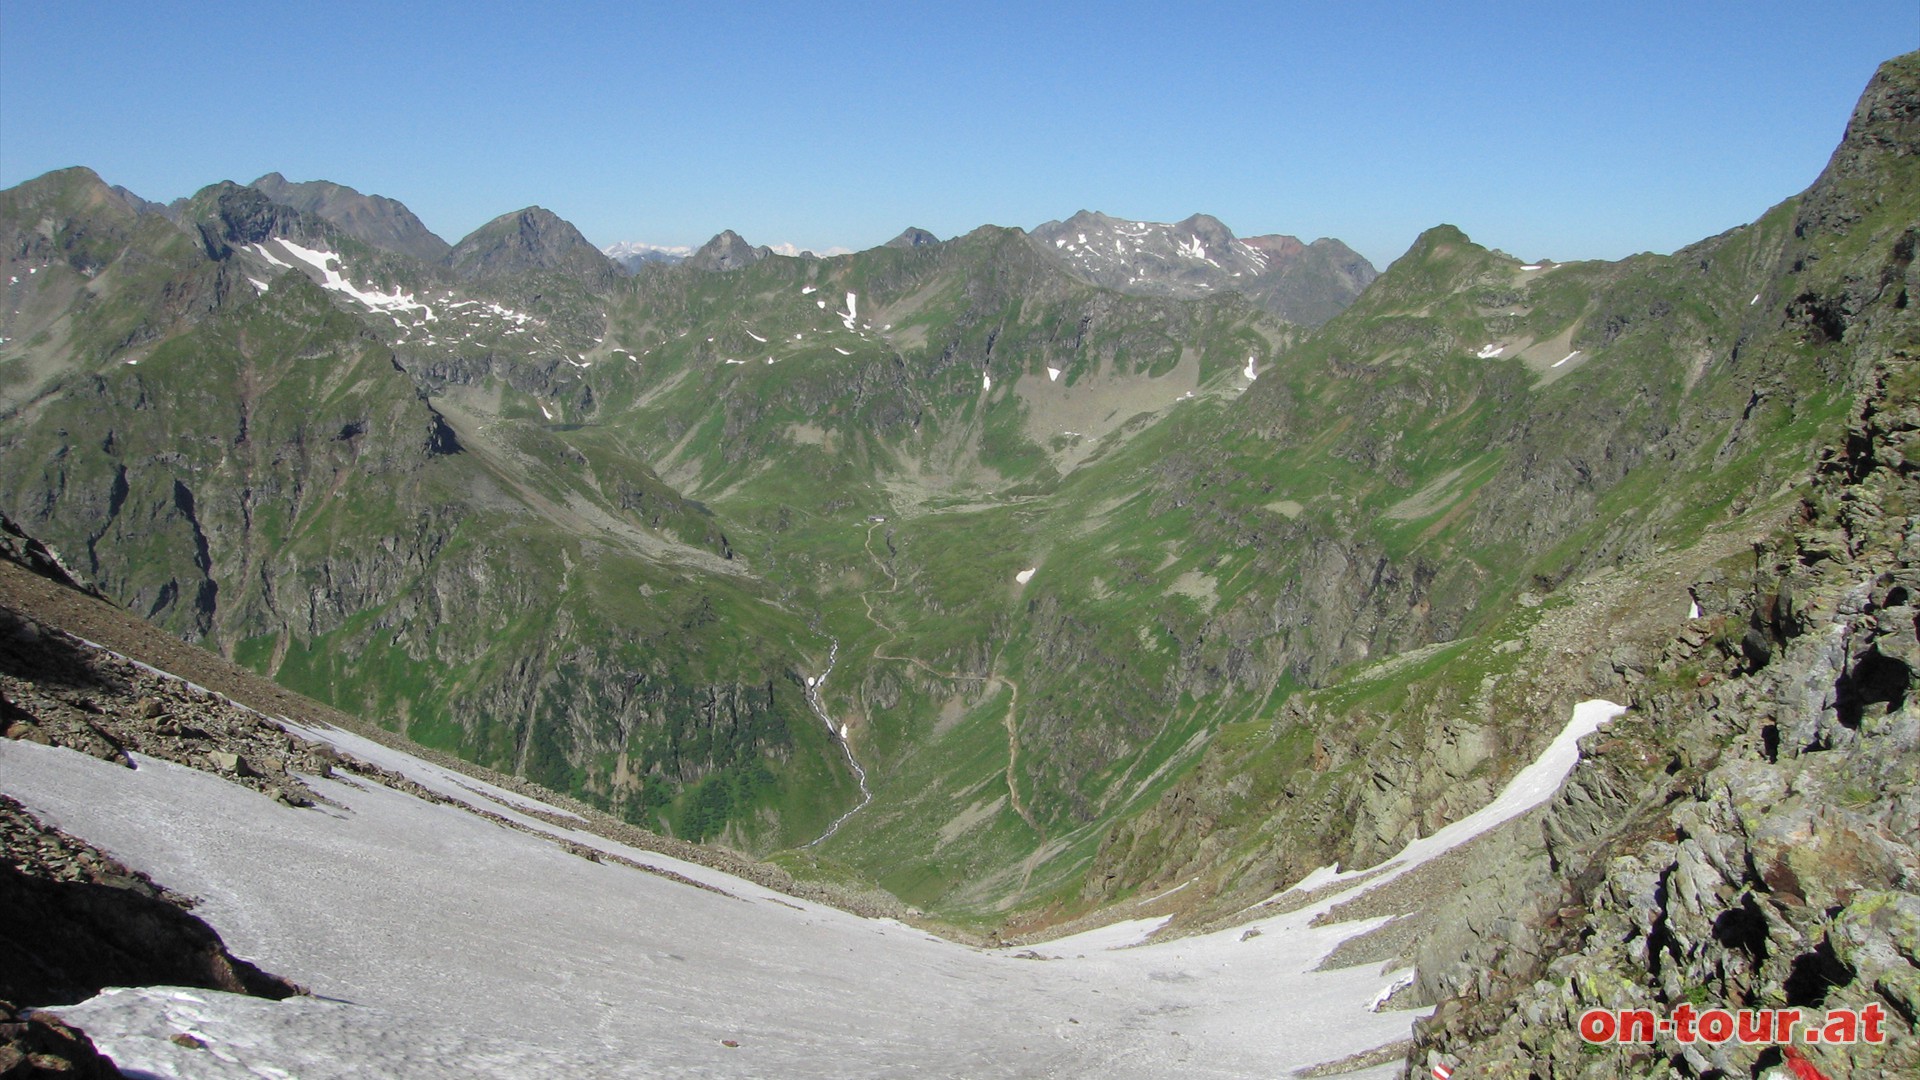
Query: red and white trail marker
[1441, 1072]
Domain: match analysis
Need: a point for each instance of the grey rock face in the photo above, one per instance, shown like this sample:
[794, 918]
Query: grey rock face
[727, 251]
[913, 237]
[534, 239]
[371, 219]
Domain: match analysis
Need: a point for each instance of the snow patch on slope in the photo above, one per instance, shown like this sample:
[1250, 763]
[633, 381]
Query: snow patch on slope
[1530, 787]
[332, 278]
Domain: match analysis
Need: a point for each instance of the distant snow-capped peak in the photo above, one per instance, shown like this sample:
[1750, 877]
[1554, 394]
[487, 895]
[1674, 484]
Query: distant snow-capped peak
[633, 248]
[795, 251]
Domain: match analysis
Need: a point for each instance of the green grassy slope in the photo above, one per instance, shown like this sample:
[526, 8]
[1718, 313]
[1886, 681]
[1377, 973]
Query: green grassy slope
[601, 534]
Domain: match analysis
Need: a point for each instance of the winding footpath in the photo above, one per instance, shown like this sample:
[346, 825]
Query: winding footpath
[840, 733]
[1013, 702]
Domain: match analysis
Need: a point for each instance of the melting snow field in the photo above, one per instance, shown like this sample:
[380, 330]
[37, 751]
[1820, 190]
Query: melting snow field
[441, 944]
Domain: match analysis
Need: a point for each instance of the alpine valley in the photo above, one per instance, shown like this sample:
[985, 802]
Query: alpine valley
[1021, 583]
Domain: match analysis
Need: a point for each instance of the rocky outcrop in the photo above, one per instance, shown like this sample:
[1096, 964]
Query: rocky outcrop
[29, 553]
[1748, 840]
[233, 216]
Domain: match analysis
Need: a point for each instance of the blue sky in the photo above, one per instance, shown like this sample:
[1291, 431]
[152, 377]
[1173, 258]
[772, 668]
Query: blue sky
[1547, 129]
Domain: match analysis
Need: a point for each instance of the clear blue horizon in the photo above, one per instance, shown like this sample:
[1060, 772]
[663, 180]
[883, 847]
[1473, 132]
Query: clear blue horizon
[1549, 131]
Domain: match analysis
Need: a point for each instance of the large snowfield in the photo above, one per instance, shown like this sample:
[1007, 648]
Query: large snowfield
[441, 944]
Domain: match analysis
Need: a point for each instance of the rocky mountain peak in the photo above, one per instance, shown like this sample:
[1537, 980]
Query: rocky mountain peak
[79, 188]
[1279, 246]
[374, 220]
[229, 215]
[913, 237]
[727, 251]
[1882, 139]
[533, 239]
[1887, 118]
[69, 190]
[1207, 229]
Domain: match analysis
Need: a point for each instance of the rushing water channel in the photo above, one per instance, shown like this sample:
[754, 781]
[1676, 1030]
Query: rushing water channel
[839, 733]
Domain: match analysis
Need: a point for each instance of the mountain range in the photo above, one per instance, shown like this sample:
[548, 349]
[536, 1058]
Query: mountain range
[1029, 576]
[1303, 283]
[632, 255]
